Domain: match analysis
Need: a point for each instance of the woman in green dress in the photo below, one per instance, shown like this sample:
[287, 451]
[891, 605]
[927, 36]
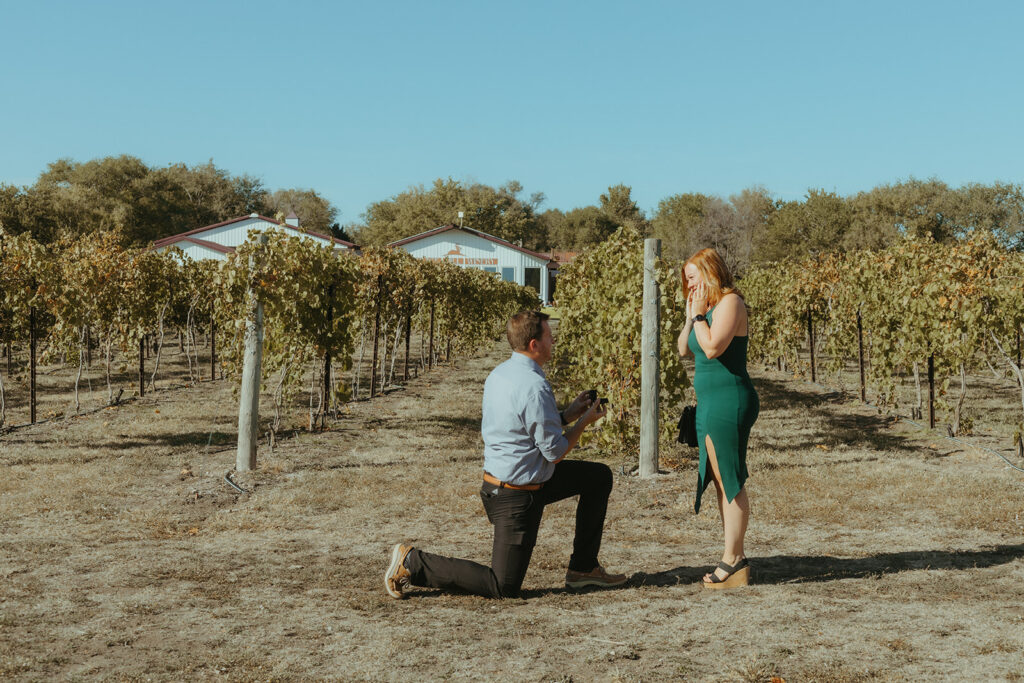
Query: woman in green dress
[727, 404]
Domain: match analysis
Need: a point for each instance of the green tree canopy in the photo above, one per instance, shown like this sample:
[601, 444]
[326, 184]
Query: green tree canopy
[618, 205]
[496, 211]
[920, 207]
[315, 213]
[689, 222]
[580, 228]
[798, 229]
[143, 204]
[676, 220]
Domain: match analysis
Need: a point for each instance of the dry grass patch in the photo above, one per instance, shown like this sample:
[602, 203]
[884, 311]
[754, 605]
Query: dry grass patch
[124, 554]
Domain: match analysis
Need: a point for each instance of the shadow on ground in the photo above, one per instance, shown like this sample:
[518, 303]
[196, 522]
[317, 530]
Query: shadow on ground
[779, 569]
[858, 431]
[530, 593]
[426, 422]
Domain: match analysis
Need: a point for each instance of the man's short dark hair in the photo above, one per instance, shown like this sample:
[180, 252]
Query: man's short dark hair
[524, 326]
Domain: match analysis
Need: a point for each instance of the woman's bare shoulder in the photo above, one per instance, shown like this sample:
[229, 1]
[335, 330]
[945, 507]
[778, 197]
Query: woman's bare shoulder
[732, 300]
[733, 306]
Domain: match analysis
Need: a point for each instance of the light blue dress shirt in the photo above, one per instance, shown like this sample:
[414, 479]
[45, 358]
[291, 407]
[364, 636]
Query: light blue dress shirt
[521, 428]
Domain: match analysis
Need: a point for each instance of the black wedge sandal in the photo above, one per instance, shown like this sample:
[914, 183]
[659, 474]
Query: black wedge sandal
[736, 576]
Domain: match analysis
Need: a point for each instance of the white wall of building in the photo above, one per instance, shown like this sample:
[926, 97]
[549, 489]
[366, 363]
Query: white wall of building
[471, 251]
[235, 234]
[197, 252]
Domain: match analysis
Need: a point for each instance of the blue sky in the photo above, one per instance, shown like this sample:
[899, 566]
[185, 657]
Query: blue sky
[361, 100]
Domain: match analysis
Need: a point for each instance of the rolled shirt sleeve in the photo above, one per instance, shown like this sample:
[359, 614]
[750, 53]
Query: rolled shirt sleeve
[541, 414]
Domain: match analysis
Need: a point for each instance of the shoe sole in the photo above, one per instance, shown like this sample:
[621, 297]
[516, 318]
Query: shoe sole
[738, 578]
[590, 582]
[396, 563]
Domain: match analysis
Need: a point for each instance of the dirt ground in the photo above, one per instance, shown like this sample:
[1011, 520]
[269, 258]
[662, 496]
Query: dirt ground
[880, 551]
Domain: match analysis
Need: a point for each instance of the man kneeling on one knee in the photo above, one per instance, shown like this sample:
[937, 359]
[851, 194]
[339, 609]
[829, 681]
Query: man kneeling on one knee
[524, 470]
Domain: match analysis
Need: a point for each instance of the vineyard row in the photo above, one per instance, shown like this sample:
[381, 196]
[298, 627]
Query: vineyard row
[318, 305]
[937, 311]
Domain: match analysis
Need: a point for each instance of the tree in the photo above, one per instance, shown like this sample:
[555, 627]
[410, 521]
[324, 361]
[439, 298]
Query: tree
[914, 207]
[720, 230]
[205, 194]
[496, 211]
[873, 224]
[689, 222]
[122, 193]
[80, 198]
[800, 229]
[501, 213]
[581, 228]
[996, 208]
[551, 223]
[753, 208]
[411, 212]
[618, 205]
[315, 213]
[676, 219]
[11, 199]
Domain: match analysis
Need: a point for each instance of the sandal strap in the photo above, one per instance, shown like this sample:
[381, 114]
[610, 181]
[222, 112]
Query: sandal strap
[728, 569]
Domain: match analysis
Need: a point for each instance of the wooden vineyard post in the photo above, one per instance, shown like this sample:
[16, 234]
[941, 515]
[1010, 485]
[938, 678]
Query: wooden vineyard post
[252, 360]
[376, 339]
[931, 391]
[650, 367]
[213, 347]
[448, 353]
[142, 365]
[327, 362]
[1018, 347]
[810, 339]
[32, 363]
[408, 339]
[430, 346]
[327, 390]
[860, 358]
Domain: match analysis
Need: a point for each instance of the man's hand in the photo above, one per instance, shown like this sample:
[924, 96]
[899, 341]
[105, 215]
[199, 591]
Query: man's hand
[577, 407]
[594, 413]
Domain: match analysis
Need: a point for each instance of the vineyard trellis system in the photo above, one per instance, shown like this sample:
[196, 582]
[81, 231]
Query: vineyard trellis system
[75, 295]
[940, 310]
[947, 308]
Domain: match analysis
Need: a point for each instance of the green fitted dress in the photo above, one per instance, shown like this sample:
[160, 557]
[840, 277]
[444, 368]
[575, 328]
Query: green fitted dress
[727, 406]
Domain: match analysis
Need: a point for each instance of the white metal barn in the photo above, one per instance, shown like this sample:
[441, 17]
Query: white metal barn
[220, 239]
[474, 249]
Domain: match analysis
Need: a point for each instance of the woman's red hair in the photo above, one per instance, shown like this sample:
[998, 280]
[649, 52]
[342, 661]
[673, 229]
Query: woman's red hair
[715, 274]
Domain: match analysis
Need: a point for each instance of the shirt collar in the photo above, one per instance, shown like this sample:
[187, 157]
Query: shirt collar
[527, 362]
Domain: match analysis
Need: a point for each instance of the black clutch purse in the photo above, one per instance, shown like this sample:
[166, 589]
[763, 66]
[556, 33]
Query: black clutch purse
[688, 426]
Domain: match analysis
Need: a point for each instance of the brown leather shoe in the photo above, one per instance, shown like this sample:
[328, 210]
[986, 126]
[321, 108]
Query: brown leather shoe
[396, 578]
[595, 577]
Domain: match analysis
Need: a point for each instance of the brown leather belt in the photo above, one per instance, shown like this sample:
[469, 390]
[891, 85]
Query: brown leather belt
[505, 485]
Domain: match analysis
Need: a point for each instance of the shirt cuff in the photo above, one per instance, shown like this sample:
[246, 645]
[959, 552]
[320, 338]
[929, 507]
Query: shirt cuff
[558, 449]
